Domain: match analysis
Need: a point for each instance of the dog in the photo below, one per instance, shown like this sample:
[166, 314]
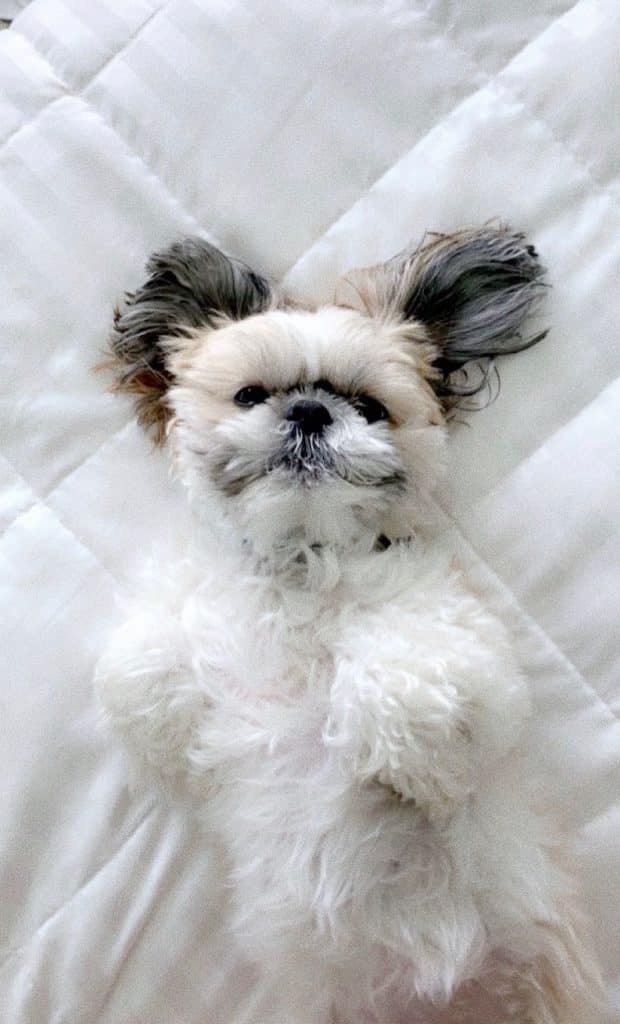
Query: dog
[313, 672]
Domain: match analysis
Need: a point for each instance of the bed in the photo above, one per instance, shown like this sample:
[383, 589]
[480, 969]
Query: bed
[304, 138]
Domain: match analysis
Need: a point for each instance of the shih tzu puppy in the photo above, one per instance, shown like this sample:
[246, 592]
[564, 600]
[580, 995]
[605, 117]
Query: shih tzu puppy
[314, 672]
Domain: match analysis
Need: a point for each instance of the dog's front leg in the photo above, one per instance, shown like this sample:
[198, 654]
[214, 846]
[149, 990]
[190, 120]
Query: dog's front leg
[425, 718]
[165, 703]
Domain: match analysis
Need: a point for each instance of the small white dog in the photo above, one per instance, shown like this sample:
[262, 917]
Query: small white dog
[316, 673]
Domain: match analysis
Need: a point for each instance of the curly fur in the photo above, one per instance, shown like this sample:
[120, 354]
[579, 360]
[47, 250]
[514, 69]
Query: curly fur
[316, 675]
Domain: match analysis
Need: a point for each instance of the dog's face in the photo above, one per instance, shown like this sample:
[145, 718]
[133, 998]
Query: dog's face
[317, 424]
[307, 422]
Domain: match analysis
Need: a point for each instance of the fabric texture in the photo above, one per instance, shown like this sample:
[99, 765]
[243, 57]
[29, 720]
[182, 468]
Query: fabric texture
[305, 139]
[9, 9]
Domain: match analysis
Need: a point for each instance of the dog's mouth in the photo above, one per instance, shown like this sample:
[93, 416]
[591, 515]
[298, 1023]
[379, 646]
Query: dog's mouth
[300, 459]
[307, 458]
[310, 461]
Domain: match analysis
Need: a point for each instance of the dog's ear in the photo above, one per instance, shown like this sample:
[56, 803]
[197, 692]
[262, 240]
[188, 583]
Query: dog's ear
[190, 285]
[471, 291]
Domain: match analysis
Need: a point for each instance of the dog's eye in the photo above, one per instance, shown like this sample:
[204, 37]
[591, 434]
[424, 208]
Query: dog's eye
[370, 408]
[252, 395]
[324, 385]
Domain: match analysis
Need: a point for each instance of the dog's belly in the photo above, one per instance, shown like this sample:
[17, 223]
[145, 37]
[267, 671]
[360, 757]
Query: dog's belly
[473, 1002]
[329, 876]
[470, 1005]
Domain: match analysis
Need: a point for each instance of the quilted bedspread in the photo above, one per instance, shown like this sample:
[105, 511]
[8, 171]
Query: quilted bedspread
[305, 136]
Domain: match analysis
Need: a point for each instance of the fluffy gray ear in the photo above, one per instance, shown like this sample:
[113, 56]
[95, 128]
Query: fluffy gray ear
[190, 285]
[472, 291]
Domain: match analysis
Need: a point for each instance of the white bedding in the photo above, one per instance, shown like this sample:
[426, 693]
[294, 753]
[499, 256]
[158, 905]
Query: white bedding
[305, 137]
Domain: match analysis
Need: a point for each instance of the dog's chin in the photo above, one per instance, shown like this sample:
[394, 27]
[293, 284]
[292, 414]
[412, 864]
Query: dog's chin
[302, 504]
[291, 474]
[282, 499]
[306, 466]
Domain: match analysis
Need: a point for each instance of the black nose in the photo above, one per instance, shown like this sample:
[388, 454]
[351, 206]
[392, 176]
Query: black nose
[311, 417]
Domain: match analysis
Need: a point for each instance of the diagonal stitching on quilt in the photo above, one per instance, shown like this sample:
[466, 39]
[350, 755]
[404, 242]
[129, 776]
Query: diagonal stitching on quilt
[97, 71]
[41, 503]
[469, 58]
[560, 140]
[108, 442]
[512, 90]
[588, 687]
[41, 498]
[127, 43]
[490, 78]
[31, 120]
[445, 33]
[13, 953]
[130, 154]
[33, 496]
[550, 437]
[57, 513]
[58, 76]
[531, 622]
[84, 461]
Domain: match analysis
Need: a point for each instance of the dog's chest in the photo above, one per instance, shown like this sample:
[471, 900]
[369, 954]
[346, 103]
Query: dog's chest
[275, 641]
[268, 644]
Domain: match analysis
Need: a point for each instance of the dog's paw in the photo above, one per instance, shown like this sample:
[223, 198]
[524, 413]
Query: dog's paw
[152, 699]
[157, 714]
[406, 734]
[436, 778]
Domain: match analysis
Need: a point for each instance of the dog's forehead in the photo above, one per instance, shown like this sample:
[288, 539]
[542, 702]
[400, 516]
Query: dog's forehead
[281, 348]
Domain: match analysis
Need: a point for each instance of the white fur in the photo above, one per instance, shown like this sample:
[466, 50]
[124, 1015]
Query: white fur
[347, 720]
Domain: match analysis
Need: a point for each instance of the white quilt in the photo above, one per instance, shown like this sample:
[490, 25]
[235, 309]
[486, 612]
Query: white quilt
[305, 136]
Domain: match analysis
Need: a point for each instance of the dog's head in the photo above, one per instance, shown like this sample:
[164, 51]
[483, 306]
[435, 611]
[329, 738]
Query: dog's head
[318, 424]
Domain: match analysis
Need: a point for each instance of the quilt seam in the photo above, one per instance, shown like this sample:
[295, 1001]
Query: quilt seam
[56, 74]
[543, 122]
[491, 79]
[42, 503]
[15, 27]
[535, 115]
[19, 950]
[549, 438]
[36, 497]
[471, 60]
[87, 458]
[127, 43]
[525, 616]
[130, 153]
